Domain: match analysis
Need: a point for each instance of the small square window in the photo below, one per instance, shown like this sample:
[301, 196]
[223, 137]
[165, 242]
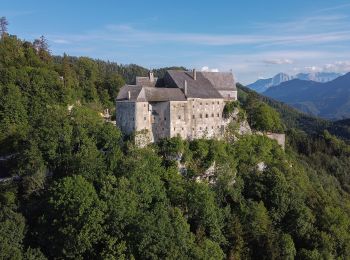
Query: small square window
[213, 103]
[206, 115]
[179, 117]
[164, 118]
[174, 128]
[201, 103]
[200, 128]
[212, 127]
[144, 118]
[182, 128]
[218, 102]
[218, 115]
[212, 115]
[193, 117]
[200, 115]
[144, 105]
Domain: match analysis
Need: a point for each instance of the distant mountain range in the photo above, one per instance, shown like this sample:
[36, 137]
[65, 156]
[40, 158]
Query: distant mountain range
[262, 85]
[329, 100]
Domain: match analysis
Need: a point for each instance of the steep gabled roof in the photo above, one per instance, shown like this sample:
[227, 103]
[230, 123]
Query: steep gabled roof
[134, 92]
[150, 94]
[220, 80]
[199, 88]
[145, 81]
[172, 86]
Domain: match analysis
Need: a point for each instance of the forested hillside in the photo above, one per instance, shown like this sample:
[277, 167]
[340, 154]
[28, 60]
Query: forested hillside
[73, 187]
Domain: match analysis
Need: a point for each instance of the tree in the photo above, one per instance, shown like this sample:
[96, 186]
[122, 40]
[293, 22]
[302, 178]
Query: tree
[3, 26]
[12, 226]
[265, 118]
[72, 220]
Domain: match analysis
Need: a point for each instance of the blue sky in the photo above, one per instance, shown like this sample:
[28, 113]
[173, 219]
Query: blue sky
[254, 39]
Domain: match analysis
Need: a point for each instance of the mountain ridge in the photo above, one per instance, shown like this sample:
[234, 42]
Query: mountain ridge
[263, 85]
[329, 100]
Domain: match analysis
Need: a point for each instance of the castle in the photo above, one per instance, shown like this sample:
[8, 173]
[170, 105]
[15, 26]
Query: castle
[185, 103]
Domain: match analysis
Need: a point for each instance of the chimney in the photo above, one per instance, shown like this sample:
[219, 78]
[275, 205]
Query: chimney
[194, 74]
[151, 76]
[185, 88]
[129, 95]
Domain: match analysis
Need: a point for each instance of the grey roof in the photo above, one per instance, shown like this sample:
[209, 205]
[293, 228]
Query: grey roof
[145, 82]
[199, 88]
[150, 94]
[220, 80]
[164, 94]
[171, 87]
[134, 92]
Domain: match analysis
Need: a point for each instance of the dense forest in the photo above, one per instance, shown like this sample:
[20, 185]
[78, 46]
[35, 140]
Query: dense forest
[72, 186]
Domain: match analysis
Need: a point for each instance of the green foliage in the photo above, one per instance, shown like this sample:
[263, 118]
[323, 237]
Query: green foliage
[229, 108]
[262, 117]
[73, 219]
[79, 191]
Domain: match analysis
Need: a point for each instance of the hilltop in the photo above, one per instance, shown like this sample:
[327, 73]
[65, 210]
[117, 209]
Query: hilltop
[77, 188]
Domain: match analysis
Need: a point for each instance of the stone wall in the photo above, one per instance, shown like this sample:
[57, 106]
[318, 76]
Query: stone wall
[197, 118]
[280, 138]
[125, 116]
[229, 94]
[191, 119]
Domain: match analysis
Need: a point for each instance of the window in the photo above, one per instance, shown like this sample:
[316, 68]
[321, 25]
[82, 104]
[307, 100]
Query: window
[212, 127]
[213, 103]
[133, 119]
[144, 118]
[144, 105]
[179, 117]
[164, 118]
[218, 102]
[206, 115]
[182, 129]
[193, 117]
[163, 128]
[193, 106]
[217, 115]
[174, 128]
[192, 129]
[201, 103]
[212, 115]
[200, 115]
[200, 128]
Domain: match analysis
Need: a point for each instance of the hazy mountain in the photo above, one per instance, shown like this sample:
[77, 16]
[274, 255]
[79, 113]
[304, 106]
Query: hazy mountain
[262, 85]
[318, 76]
[329, 100]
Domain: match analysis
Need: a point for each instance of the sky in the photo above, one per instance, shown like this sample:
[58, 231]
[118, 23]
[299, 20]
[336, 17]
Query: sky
[253, 38]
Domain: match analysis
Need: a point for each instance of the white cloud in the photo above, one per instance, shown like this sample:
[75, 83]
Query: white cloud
[127, 34]
[278, 61]
[60, 41]
[207, 69]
